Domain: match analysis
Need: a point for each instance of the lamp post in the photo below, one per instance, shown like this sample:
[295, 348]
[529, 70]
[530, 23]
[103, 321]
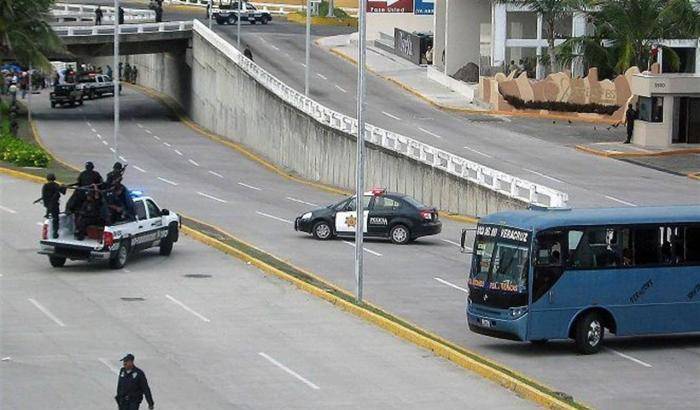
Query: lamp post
[115, 78]
[359, 171]
[308, 47]
[238, 25]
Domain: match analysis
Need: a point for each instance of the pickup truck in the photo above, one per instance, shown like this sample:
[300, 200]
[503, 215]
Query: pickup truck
[150, 227]
[94, 85]
[63, 94]
[228, 14]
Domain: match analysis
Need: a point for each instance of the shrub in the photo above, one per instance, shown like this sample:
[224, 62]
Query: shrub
[21, 153]
[338, 13]
[561, 106]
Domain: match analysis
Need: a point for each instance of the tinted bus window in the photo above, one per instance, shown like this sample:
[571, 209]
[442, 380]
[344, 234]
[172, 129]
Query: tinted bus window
[692, 245]
[593, 248]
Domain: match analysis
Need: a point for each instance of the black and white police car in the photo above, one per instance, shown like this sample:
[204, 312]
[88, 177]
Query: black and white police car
[387, 215]
[150, 227]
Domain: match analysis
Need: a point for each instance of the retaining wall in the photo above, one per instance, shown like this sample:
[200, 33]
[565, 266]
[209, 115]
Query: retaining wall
[220, 95]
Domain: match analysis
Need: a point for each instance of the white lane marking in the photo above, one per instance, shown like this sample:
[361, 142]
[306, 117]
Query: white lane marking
[452, 285]
[612, 198]
[177, 152]
[322, 76]
[109, 365]
[289, 198]
[113, 150]
[277, 218]
[191, 161]
[391, 116]
[93, 130]
[478, 152]
[187, 308]
[290, 371]
[105, 142]
[216, 174]
[365, 249]
[250, 186]
[455, 243]
[148, 132]
[123, 159]
[138, 124]
[46, 312]
[156, 137]
[6, 209]
[543, 175]
[223, 201]
[430, 133]
[88, 123]
[167, 145]
[167, 181]
[139, 169]
[340, 88]
[275, 47]
[99, 136]
[628, 357]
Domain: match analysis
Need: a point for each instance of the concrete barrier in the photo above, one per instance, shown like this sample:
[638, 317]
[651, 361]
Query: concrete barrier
[235, 98]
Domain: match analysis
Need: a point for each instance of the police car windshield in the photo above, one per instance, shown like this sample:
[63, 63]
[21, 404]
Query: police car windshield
[351, 205]
[501, 259]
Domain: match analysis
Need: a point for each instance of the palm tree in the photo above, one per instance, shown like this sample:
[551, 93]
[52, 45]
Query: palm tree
[626, 30]
[25, 34]
[551, 11]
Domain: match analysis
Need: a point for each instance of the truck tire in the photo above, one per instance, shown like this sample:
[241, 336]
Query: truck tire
[80, 102]
[57, 261]
[232, 19]
[91, 94]
[119, 260]
[53, 104]
[400, 234]
[265, 19]
[166, 244]
[253, 21]
[590, 332]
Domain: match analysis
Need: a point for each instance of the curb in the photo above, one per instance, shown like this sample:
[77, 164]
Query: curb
[695, 175]
[511, 380]
[521, 385]
[607, 154]
[449, 108]
[256, 158]
[323, 21]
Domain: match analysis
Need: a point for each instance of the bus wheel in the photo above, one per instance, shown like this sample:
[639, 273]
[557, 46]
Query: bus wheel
[589, 333]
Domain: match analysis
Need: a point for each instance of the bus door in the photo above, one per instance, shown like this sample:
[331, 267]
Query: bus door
[545, 304]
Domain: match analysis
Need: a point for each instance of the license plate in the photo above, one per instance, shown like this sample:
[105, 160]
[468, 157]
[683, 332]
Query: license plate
[486, 323]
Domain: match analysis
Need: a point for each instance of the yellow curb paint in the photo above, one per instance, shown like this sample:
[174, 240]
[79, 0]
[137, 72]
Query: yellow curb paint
[323, 21]
[22, 175]
[430, 342]
[617, 154]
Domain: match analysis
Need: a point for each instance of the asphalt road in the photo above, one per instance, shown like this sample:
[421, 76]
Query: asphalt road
[423, 282]
[235, 338]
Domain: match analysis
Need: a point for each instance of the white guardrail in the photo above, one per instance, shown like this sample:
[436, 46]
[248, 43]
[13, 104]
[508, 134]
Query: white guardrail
[61, 11]
[124, 29]
[503, 183]
[272, 8]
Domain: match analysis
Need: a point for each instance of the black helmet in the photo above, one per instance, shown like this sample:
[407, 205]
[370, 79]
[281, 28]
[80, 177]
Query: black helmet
[117, 166]
[50, 177]
[89, 166]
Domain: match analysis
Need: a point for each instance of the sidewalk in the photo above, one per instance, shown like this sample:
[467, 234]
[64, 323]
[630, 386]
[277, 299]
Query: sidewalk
[407, 75]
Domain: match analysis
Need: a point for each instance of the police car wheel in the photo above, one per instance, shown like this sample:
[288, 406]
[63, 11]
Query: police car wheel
[119, 260]
[57, 261]
[322, 231]
[400, 235]
[232, 20]
[264, 20]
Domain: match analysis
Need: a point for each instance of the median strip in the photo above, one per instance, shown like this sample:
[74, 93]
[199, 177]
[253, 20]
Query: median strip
[311, 283]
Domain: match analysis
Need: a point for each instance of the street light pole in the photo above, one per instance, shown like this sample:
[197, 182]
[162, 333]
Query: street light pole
[238, 25]
[211, 6]
[29, 101]
[359, 171]
[115, 79]
[308, 47]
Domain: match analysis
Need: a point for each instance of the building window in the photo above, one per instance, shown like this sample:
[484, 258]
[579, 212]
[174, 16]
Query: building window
[651, 109]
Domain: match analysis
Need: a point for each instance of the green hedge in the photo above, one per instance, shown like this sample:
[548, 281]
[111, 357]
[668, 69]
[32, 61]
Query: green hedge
[561, 106]
[16, 150]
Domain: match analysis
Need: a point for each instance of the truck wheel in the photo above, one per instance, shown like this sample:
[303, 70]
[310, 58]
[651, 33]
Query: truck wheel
[253, 21]
[232, 19]
[119, 260]
[400, 234]
[166, 244]
[322, 231]
[53, 104]
[91, 95]
[589, 333]
[264, 20]
[57, 261]
[72, 103]
[80, 102]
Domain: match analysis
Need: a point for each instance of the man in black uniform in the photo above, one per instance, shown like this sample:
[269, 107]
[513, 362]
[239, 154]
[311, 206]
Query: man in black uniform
[87, 178]
[50, 195]
[93, 211]
[119, 204]
[132, 386]
[630, 116]
[114, 177]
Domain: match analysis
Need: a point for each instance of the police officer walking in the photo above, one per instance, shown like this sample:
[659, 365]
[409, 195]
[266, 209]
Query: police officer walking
[50, 195]
[132, 386]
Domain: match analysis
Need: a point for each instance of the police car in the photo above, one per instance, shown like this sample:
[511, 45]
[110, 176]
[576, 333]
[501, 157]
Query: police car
[150, 227]
[387, 215]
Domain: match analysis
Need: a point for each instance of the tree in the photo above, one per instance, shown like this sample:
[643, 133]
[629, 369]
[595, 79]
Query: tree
[551, 11]
[25, 34]
[626, 31]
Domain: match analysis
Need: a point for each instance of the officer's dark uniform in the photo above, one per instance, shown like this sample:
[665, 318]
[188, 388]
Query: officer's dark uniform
[50, 195]
[115, 176]
[87, 178]
[131, 388]
[92, 212]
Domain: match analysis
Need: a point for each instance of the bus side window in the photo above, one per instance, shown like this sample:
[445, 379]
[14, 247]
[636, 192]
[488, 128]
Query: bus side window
[692, 244]
[594, 248]
[647, 246]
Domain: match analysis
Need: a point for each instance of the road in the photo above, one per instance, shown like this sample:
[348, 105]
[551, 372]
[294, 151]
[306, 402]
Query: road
[232, 338]
[423, 282]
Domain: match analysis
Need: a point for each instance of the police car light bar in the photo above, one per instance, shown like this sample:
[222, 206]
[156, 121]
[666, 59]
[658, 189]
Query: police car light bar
[135, 193]
[378, 191]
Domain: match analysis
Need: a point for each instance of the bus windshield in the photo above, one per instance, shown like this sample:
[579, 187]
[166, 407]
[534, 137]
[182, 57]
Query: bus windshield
[501, 259]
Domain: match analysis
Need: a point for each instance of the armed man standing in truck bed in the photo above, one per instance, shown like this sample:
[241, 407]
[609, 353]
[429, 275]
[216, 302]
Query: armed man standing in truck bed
[132, 386]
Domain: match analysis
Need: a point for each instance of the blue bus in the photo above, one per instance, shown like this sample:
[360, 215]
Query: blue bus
[538, 275]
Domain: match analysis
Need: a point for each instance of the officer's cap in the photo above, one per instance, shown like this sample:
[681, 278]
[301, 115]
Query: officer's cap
[128, 358]
[117, 165]
[89, 165]
[50, 177]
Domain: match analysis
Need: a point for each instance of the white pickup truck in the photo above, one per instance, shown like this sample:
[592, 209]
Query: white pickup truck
[228, 14]
[150, 227]
[95, 85]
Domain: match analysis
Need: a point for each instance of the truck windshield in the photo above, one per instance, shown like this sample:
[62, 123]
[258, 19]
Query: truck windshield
[501, 259]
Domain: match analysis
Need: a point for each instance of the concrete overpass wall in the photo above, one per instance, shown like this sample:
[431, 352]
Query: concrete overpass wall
[227, 96]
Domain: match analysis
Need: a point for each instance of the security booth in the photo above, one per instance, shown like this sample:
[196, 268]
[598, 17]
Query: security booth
[669, 109]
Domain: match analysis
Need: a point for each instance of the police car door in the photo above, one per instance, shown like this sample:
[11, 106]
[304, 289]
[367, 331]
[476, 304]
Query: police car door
[154, 224]
[382, 212]
[346, 219]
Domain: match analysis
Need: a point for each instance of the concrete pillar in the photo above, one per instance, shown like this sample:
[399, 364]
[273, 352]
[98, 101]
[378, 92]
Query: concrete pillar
[697, 57]
[440, 33]
[660, 59]
[540, 69]
[578, 29]
[498, 34]
[463, 28]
